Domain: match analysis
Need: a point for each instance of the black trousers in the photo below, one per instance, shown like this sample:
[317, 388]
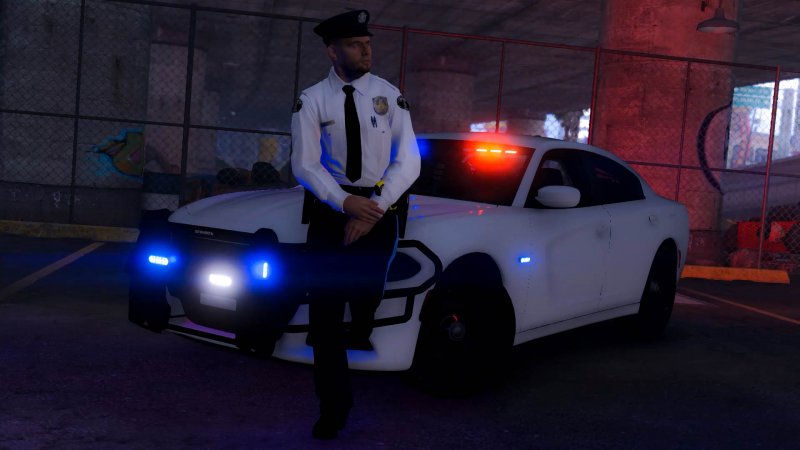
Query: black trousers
[354, 274]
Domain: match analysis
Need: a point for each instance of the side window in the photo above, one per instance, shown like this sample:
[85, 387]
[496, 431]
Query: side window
[611, 182]
[562, 167]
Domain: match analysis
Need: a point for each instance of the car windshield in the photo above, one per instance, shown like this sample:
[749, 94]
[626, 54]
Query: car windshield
[471, 170]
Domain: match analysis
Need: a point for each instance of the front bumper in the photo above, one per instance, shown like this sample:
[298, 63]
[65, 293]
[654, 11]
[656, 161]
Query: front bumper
[263, 310]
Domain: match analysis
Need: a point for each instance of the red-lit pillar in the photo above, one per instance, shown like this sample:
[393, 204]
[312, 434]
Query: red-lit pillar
[651, 110]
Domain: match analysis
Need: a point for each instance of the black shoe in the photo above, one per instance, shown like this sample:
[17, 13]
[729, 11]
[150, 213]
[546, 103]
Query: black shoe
[327, 427]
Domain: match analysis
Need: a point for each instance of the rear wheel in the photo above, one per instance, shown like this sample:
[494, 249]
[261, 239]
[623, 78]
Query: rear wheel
[658, 297]
[464, 341]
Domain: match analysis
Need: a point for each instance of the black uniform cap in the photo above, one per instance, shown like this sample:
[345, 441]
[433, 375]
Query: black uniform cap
[349, 24]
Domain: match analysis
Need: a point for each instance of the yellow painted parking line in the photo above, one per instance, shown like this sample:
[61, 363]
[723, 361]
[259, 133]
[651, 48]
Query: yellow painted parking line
[736, 273]
[72, 231]
[17, 286]
[739, 305]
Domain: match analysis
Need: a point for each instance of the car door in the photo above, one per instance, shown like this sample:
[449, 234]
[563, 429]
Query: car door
[633, 229]
[571, 245]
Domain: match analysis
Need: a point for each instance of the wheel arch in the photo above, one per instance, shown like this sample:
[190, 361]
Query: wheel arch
[473, 272]
[667, 254]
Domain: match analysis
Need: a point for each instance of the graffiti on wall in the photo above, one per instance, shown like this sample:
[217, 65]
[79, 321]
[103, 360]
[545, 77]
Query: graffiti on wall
[122, 153]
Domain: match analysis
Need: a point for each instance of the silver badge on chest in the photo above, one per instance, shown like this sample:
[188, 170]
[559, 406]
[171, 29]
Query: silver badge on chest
[380, 105]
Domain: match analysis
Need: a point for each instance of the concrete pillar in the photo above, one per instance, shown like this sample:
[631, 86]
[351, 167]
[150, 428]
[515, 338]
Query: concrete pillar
[166, 92]
[640, 102]
[438, 109]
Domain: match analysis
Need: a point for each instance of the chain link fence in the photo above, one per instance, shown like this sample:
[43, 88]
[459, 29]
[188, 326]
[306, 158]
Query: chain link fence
[111, 107]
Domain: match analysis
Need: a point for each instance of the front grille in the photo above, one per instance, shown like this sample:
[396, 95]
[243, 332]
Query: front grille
[202, 250]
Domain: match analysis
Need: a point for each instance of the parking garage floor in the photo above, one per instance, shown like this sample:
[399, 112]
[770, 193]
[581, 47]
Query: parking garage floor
[74, 373]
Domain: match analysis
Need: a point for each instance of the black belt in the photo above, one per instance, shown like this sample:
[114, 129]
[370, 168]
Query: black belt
[311, 202]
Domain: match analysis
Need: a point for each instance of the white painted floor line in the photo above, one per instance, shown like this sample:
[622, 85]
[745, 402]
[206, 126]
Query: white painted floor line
[684, 300]
[748, 308]
[17, 286]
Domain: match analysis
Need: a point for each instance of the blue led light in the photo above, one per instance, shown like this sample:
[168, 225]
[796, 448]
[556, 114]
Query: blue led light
[158, 260]
[424, 148]
[260, 269]
[264, 270]
[525, 260]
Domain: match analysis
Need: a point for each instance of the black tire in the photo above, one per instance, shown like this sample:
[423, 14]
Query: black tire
[464, 341]
[658, 297]
[148, 306]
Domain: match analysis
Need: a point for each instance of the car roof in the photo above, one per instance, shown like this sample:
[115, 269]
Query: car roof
[535, 142]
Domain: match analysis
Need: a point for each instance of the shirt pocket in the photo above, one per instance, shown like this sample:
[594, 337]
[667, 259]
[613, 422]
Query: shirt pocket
[379, 132]
[379, 124]
[331, 128]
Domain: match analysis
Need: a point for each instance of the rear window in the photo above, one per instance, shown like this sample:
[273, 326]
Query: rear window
[473, 171]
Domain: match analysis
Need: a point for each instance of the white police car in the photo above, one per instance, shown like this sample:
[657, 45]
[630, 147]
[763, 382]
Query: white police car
[508, 238]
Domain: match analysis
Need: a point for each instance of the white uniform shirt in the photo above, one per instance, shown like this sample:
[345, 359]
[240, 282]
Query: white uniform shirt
[389, 149]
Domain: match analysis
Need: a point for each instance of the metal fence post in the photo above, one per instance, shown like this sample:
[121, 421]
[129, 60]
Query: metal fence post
[500, 87]
[403, 60]
[769, 163]
[296, 91]
[187, 107]
[71, 216]
[683, 129]
[593, 103]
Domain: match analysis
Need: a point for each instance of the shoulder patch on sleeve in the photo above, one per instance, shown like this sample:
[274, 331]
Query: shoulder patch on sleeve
[298, 105]
[403, 103]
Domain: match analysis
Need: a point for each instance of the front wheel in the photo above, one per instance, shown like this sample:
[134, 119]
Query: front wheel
[147, 304]
[463, 343]
[658, 298]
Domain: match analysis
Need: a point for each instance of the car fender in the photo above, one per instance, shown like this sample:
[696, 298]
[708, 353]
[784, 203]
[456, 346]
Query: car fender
[471, 272]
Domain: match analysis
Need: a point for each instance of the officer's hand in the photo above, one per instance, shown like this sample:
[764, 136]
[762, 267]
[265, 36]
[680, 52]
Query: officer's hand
[362, 208]
[355, 229]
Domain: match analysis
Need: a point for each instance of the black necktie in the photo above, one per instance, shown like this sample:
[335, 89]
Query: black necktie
[353, 132]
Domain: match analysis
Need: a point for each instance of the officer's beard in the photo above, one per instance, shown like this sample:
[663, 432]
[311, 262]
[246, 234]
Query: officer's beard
[356, 70]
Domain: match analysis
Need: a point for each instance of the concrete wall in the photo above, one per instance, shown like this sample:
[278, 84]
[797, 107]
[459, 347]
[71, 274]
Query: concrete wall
[39, 75]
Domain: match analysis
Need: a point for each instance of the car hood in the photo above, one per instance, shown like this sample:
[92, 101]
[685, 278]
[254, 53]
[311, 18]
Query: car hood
[279, 210]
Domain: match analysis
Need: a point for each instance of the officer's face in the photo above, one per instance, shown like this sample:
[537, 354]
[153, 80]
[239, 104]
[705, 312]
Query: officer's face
[352, 54]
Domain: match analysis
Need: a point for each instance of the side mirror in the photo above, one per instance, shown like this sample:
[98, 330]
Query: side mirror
[559, 196]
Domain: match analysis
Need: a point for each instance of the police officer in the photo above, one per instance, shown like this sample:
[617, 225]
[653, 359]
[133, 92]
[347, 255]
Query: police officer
[355, 153]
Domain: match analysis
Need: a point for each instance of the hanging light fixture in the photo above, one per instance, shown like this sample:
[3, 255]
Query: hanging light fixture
[717, 24]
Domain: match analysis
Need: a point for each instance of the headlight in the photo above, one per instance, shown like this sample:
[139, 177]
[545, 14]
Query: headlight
[220, 280]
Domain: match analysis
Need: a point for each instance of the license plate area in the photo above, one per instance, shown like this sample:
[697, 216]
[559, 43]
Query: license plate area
[218, 301]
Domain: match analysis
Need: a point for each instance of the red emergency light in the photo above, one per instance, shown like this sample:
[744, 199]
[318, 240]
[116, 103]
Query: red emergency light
[495, 151]
[492, 158]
